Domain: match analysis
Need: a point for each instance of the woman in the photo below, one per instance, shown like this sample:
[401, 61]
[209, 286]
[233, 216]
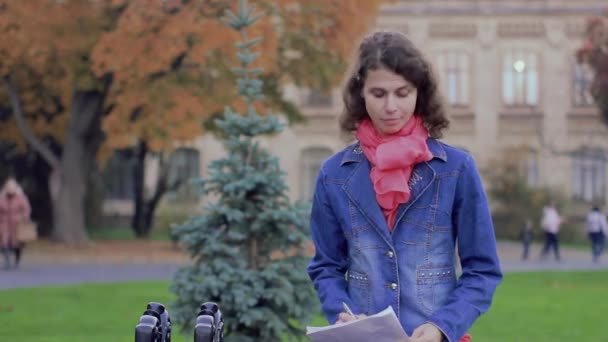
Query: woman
[389, 210]
[14, 210]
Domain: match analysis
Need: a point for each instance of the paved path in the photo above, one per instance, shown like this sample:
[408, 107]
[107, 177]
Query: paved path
[572, 259]
[31, 275]
[43, 274]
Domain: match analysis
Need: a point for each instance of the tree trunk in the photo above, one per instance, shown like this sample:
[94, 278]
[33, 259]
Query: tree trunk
[67, 181]
[137, 222]
[94, 198]
[83, 139]
[143, 218]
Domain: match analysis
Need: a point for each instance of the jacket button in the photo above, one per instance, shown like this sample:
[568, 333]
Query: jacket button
[390, 254]
[393, 286]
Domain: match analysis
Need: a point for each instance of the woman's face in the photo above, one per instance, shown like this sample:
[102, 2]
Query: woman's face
[390, 100]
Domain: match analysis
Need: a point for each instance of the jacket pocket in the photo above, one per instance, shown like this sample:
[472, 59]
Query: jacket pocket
[359, 286]
[433, 286]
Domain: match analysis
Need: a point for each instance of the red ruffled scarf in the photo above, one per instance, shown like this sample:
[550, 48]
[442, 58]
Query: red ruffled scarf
[393, 158]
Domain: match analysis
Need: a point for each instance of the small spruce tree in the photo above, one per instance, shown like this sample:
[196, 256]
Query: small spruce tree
[247, 245]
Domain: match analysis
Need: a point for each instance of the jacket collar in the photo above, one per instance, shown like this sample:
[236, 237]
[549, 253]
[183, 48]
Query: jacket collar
[359, 188]
[437, 149]
[354, 153]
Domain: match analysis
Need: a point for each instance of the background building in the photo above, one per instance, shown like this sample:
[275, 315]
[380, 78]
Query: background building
[509, 76]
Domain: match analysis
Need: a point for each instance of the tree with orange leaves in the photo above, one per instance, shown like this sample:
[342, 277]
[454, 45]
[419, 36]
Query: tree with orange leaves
[53, 96]
[182, 57]
[594, 51]
[152, 73]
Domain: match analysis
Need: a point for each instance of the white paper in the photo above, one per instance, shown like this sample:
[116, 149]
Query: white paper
[383, 326]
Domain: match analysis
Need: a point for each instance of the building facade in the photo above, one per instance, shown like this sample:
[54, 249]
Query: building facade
[510, 78]
[509, 72]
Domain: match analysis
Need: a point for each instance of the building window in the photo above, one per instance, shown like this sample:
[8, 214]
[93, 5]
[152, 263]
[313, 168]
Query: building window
[589, 173]
[318, 98]
[530, 167]
[582, 77]
[454, 69]
[520, 81]
[183, 168]
[118, 176]
[310, 163]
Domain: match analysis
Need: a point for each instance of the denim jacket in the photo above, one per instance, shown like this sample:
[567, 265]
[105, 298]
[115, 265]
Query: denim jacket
[359, 262]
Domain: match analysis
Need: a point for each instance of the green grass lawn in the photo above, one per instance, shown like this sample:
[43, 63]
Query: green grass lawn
[528, 307]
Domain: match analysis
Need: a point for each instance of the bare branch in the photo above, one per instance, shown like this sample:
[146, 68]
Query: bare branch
[29, 136]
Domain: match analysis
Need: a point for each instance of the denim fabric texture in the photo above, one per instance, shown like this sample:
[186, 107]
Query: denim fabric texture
[413, 269]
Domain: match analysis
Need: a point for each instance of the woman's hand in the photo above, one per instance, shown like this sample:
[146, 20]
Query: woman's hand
[427, 333]
[343, 317]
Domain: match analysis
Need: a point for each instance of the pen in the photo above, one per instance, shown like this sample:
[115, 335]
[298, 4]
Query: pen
[348, 310]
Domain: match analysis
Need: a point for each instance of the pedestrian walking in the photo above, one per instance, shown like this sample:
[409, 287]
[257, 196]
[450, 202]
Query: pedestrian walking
[526, 237]
[550, 224]
[14, 212]
[596, 229]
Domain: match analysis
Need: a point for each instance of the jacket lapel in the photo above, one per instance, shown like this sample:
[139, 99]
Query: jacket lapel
[360, 191]
[422, 178]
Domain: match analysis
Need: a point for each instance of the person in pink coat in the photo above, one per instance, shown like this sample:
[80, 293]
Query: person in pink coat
[14, 210]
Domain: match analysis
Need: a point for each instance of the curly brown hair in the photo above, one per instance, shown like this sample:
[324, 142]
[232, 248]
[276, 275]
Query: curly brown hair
[395, 52]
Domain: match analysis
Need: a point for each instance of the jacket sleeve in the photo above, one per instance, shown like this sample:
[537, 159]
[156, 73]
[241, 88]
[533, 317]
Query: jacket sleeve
[328, 267]
[481, 272]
